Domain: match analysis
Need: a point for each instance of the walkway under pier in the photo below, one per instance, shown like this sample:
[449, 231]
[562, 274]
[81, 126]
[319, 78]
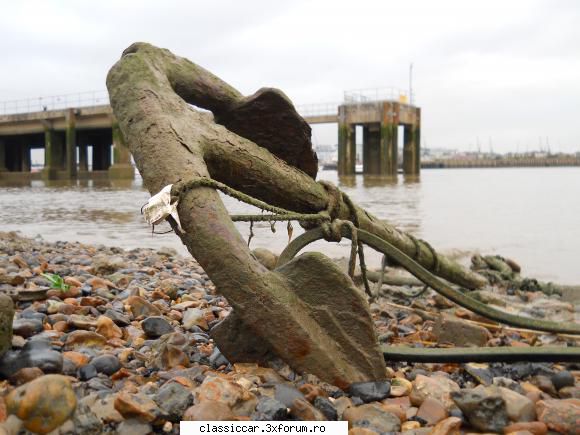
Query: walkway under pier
[78, 143]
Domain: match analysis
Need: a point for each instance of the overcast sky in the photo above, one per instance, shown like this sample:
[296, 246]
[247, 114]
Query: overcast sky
[507, 72]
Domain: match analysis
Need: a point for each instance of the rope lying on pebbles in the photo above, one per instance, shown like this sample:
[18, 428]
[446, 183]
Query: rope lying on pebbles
[548, 354]
[482, 354]
[330, 228]
[432, 281]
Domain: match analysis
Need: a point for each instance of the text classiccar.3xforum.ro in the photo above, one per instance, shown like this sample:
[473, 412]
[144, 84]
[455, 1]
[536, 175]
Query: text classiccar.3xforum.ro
[252, 427]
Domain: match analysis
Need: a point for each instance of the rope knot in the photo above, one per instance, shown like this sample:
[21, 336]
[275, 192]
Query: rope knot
[334, 197]
[333, 230]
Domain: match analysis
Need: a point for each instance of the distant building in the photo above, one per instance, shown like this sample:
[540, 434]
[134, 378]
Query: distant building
[437, 153]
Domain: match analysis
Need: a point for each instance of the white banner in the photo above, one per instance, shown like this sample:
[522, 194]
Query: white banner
[263, 427]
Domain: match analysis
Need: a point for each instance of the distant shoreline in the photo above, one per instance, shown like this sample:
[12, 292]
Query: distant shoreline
[532, 162]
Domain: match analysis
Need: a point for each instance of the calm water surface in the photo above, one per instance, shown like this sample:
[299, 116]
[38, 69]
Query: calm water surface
[529, 214]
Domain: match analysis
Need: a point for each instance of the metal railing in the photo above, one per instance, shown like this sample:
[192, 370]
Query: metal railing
[54, 102]
[97, 98]
[359, 96]
[318, 109]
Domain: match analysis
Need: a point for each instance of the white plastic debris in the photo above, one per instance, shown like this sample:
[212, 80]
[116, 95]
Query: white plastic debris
[159, 207]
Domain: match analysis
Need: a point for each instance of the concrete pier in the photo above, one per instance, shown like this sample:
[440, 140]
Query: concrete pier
[86, 143]
[78, 143]
[380, 121]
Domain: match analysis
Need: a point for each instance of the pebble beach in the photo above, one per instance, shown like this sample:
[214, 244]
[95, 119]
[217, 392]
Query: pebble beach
[124, 346]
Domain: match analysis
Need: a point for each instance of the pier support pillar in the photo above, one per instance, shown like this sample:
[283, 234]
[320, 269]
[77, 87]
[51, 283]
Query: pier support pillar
[24, 156]
[122, 167]
[2, 155]
[389, 151]
[53, 154]
[71, 145]
[346, 149]
[412, 145]
[366, 158]
[372, 149]
[417, 140]
[411, 157]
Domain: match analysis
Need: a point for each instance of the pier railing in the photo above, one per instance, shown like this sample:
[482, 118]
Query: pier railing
[54, 102]
[97, 98]
[359, 96]
[318, 109]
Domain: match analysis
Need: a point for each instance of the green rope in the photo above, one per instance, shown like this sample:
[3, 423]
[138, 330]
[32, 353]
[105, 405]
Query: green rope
[280, 214]
[351, 230]
[335, 194]
[481, 354]
[275, 217]
[327, 220]
[432, 281]
[381, 275]
[417, 243]
[181, 187]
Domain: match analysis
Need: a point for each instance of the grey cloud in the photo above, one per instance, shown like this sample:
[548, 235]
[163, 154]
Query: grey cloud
[501, 69]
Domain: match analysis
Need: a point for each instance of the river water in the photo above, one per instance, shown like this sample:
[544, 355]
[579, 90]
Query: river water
[529, 214]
